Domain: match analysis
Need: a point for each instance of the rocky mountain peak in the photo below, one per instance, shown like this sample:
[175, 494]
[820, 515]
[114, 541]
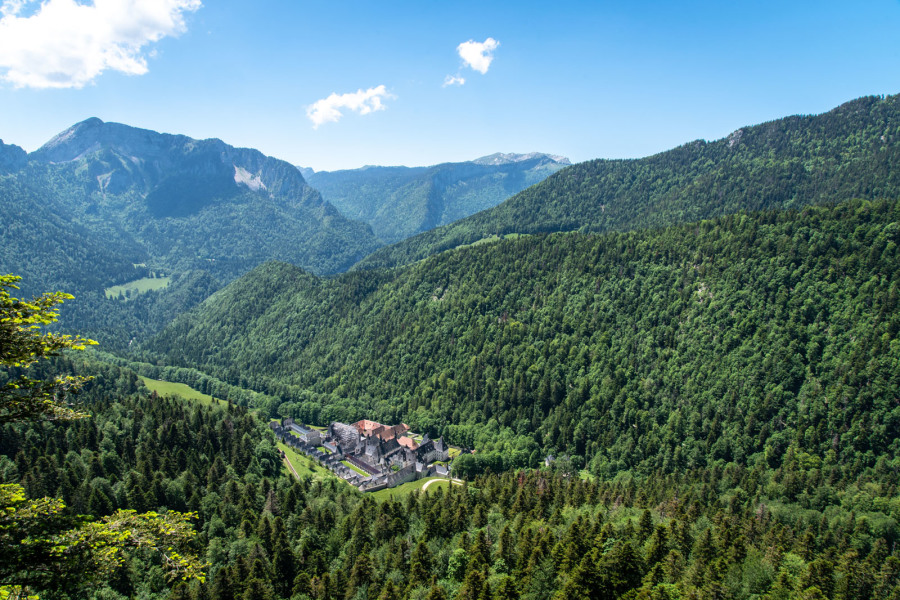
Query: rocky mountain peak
[500, 158]
[146, 158]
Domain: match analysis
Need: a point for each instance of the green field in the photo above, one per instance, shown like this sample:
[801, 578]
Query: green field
[402, 491]
[323, 449]
[138, 286]
[350, 465]
[491, 239]
[166, 388]
[303, 464]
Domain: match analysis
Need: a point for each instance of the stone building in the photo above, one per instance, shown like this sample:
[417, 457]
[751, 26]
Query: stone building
[385, 453]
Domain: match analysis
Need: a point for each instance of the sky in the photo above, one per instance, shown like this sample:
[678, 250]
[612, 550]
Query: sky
[343, 84]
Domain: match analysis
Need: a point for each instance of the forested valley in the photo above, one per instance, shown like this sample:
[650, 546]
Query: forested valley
[727, 340]
[810, 528]
[674, 377]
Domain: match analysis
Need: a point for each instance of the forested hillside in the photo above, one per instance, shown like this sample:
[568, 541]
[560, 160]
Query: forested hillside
[736, 380]
[852, 151]
[808, 529]
[718, 402]
[103, 204]
[11, 157]
[41, 242]
[185, 204]
[398, 202]
[726, 340]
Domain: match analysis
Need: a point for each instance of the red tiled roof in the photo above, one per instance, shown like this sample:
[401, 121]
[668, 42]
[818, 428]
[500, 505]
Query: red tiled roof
[383, 432]
[365, 426]
[407, 442]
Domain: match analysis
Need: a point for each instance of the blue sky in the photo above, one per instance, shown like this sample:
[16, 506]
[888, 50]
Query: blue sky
[581, 79]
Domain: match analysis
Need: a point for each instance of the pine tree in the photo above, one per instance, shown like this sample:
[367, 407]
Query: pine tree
[361, 574]
[420, 566]
[222, 586]
[389, 592]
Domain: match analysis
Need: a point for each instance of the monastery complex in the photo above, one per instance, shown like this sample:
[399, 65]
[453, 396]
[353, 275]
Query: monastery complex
[367, 454]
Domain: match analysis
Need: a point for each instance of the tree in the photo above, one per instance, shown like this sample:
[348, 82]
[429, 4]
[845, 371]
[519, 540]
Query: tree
[420, 566]
[23, 398]
[41, 546]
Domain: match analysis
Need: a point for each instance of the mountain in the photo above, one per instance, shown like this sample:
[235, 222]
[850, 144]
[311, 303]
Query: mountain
[104, 204]
[398, 202]
[689, 410]
[851, 151]
[500, 158]
[11, 158]
[188, 203]
[43, 244]
[728, 339]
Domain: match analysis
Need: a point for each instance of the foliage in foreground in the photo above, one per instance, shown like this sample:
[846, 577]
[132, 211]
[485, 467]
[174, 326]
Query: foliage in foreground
[813, 527]
[21, 345]
[41, 546]
[715, 532]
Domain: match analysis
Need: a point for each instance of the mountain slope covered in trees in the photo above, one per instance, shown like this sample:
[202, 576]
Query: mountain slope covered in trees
[810, 528]
[184, 204]
[786, 489]
[102, 204]
[398, 202]
[852, 151]
[725, 340]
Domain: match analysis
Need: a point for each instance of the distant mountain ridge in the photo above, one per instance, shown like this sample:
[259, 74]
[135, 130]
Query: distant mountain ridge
[104, 203]
[398, 202]
[149, 160]
[500, 158]
[850, 151]
[187, 203]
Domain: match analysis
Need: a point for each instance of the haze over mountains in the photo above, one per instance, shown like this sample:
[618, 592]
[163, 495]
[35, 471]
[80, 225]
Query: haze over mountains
[103, 204]
[398, 202]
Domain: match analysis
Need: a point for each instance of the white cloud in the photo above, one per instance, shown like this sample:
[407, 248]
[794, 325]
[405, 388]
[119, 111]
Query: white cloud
[454, 80]
[66, 44]
[328, 110]
[478, 55]
[13, 7]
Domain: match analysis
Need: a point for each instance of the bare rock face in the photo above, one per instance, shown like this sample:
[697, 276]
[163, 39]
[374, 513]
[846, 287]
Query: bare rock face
[500, 158]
